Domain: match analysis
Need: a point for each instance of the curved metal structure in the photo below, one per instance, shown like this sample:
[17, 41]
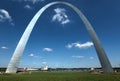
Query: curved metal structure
[14, 62]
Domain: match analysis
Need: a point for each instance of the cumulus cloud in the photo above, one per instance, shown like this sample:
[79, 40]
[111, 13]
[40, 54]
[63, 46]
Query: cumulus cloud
[32, 1]
[33, 55]
[79, 45]
[28, 7]
[48, 49]
[79, 57]
[4, 16]
[29, 4]
[60, 16]
[44, 62]
[69, 46]
[4, 47]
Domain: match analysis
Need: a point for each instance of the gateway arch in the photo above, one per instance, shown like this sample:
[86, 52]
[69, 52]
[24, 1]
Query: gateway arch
[15, 60]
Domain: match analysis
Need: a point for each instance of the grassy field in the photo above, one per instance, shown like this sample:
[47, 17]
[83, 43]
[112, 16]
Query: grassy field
[49, 76]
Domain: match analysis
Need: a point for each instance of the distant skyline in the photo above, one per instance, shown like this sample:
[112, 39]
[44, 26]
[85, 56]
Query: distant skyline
[59, 39]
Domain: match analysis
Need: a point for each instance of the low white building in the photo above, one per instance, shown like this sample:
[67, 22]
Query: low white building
[44, 68]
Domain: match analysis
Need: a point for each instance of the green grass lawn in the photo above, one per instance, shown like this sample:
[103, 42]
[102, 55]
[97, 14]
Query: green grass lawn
[50, 76]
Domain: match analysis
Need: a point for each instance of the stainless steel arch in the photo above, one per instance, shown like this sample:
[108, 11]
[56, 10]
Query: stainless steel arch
[14, 62]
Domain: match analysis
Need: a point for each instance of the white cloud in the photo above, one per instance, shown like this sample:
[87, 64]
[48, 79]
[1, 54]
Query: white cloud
[79, 57]
[32, 1]
[65, 21]
[91, 58]
[84, 45]
[33, 55]
[44, 62]
[35, 1]
[69, 46]
[28, 4]
[28, 7]
[48, 49]
[4, 47]
[60, 16]
[4, 16]
[79, 45]
[12, 24]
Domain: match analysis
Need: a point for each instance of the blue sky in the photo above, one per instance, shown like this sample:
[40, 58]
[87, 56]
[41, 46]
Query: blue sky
[59, 38]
